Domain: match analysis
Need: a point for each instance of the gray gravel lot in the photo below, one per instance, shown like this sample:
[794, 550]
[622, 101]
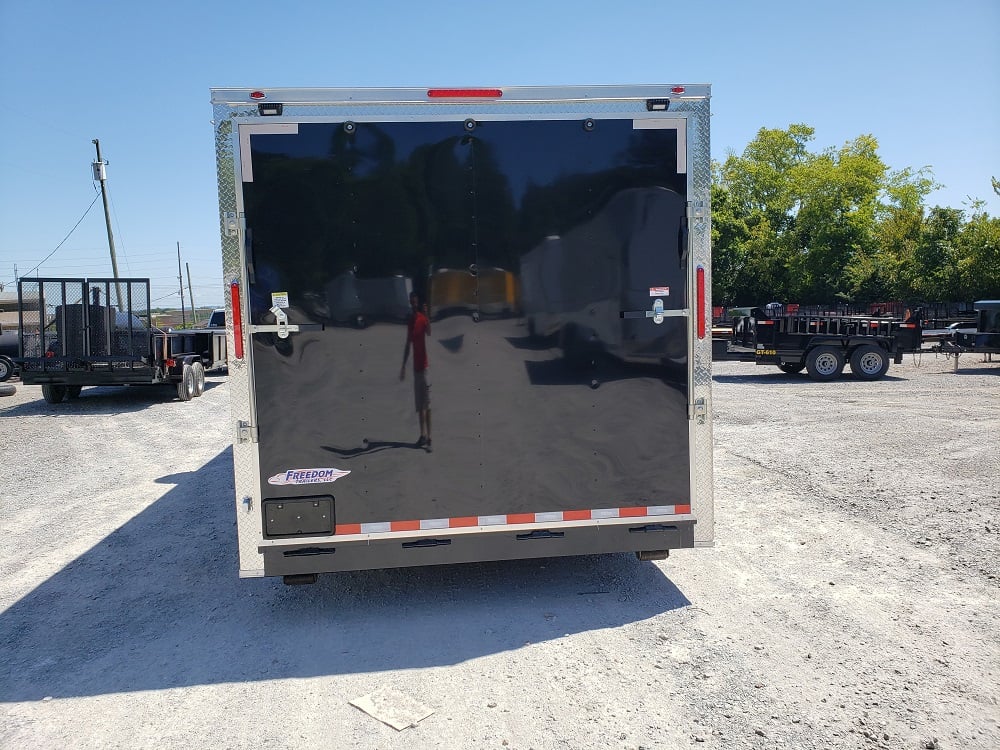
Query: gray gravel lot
[852, 599]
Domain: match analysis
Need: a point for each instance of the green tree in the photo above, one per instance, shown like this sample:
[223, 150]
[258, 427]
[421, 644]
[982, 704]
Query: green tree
[809, 227]
[753, 211]
[887, 271]
[838, 193]
[978, 255]
[936, 267]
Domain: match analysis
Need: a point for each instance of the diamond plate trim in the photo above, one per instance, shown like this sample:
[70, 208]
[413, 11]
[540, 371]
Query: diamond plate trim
[245, 472]
[702, 497]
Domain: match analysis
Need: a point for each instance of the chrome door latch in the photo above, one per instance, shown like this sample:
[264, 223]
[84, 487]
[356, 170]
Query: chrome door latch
[657, 313]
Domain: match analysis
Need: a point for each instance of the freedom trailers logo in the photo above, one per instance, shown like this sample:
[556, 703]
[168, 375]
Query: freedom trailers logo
[308, 476]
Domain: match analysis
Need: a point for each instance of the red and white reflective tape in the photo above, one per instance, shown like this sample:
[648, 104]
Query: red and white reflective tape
[511, 519]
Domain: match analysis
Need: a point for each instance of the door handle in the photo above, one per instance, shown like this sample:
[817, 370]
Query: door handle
[657, 313]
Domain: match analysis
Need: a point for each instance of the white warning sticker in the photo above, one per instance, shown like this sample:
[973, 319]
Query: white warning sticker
[308, 476]
[659, 291]
[279, 299]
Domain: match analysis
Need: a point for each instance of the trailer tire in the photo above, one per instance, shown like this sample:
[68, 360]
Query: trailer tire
[185, 386]
[8, 390]
[73, 391]
[825, 363]
[869, 362]
[791, 367]
[198, 370]
[53, 394]
[6, 368]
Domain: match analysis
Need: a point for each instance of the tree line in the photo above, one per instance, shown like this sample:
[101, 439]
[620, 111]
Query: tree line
[839, 226]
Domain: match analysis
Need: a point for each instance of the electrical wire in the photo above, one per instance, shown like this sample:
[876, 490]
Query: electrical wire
[66, 237]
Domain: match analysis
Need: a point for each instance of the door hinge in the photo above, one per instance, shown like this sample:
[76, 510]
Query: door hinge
[697, 209]
[698, 410]
[246, 432]
[231, 224]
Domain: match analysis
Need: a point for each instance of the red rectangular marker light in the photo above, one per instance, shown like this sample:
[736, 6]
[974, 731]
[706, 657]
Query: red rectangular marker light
[464, 93]
[234, 296]
[701, 301]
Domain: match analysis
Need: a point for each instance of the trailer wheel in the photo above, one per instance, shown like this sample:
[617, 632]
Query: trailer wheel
[198, 371]
[185, 387]
[869, 362]
[53, 394]
[825, 363]
[791, 367]
[73, 391]
[6, 368]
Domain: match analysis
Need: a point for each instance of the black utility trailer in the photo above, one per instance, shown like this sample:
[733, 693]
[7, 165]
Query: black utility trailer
[823, 344]
[983, 339]
[87, 332]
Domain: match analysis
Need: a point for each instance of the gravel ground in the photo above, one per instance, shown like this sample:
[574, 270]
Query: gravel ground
[852, 599]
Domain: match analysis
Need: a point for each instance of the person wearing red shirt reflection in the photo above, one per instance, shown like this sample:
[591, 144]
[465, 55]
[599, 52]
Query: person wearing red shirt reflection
[418, 328]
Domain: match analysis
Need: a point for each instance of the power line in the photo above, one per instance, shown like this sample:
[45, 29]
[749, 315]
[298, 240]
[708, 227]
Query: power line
[67, 236]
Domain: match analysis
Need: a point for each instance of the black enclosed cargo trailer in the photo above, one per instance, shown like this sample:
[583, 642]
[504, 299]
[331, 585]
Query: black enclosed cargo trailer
[545, 255]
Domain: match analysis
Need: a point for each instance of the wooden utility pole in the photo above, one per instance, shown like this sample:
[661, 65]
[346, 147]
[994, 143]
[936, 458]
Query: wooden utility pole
[101, 174]
[180, 280]
[194, 310]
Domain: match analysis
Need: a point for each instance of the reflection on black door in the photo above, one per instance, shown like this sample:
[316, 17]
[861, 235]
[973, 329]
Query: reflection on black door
[525, 242]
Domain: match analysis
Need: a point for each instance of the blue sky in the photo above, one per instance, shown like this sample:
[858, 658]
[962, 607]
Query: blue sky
[922, 77]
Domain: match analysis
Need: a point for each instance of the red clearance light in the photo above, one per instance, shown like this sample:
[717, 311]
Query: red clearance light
[257, 95]
[170, 362]
[701, 302]
[234, 296]
[677, 90]
[907, 325]
[464, 93]
[765, 322]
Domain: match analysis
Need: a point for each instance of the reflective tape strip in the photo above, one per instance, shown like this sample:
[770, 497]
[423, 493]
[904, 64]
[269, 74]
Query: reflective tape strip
[434, 523]
[511, 519]
[548, 517]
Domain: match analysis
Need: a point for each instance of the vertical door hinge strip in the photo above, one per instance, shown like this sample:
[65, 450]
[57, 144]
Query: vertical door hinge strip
[697, 209]
[246, 432]
[698, 410]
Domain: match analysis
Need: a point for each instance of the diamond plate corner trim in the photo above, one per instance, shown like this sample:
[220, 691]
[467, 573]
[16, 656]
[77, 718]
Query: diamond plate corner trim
[248, 524]
[702, 482]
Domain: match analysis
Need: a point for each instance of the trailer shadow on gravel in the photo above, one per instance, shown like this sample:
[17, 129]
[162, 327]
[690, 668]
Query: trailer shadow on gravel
[157, 604]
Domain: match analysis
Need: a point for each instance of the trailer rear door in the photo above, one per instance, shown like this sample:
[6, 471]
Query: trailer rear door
[551, 255]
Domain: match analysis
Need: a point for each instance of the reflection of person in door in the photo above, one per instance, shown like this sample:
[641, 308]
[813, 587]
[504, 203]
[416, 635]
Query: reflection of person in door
[418, 328]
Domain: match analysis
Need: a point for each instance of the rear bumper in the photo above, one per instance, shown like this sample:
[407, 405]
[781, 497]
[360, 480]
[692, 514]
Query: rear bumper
[446, 546]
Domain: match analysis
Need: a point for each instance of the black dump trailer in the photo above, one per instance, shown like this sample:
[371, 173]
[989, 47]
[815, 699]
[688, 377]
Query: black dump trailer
[822, 345]
[89, 332]
[549, 250]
